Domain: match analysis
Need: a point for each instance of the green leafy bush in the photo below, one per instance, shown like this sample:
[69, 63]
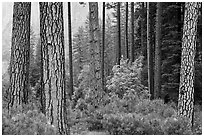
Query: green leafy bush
[131, 124]
[31, 122]
[197, 121]
[176, 126]
[127, 109]
[140, 124]
[127, 77]
[150, 117]
[154, 106]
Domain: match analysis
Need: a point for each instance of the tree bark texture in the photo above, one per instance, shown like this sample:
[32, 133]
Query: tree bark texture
[187, 72]
[95, 48]
[53, 57]
[20, 51]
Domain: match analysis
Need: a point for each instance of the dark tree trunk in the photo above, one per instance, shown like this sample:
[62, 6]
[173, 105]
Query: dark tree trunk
[20, 51]
[157, 74]
[119, 34]
[70, 51]
[126, 31]
[132, 57]
[103, 50]
[142, 30]
[53, 65]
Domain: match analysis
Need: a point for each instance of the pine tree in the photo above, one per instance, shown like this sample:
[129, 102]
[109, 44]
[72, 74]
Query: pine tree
[186, 88]
[132, 58]
[53, 64]
[119, 34]
[149, 55]
[95, 57]
[142, 23]
[126, 31]
[20, 51]
[70, 51]
[103, 50]
[157, 74]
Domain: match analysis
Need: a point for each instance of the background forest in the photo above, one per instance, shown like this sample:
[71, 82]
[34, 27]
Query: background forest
[118, 72]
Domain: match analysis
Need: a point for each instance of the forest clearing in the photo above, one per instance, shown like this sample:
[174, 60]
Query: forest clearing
[102, 68]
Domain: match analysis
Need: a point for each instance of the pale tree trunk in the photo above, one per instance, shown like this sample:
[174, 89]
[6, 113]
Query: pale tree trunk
[95, 57]
[157, 74]
[53, 64]
[187, 73]
[149, 56]
[20, 51]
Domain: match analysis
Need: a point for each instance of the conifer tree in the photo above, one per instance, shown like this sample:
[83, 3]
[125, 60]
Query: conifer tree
[53, 65]
[157, 74]
[20, 51]
[187, 72]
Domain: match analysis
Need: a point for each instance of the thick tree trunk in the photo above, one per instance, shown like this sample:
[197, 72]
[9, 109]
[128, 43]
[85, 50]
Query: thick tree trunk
[126, 31]
[132, 57]
[186, 88]
[119, 34]
[157, 74]
[20, 51]
[95, 60]
[149, 56]
[70, 52]
[53, 57]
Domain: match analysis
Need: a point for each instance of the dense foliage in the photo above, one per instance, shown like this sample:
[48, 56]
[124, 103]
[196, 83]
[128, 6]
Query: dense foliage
[28, 122]
[125, 107]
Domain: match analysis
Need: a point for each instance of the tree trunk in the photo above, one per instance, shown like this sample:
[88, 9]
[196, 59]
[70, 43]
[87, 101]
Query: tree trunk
[103, 50]
[126, 31]
[70, 51]
[95, 60]
[132, 58]
[53, 65]
[186, 88]
[157, 78]
[20, 51]
[119, 34]
[142, 30]
[149, 57]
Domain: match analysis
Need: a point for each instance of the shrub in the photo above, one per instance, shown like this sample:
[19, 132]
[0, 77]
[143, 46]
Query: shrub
[150, 117]
[131, 124]
[197, 121]
[31, 122]
[79, 128]
[127, 77]
[169, 112]
[176, 126]
[150, 106]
